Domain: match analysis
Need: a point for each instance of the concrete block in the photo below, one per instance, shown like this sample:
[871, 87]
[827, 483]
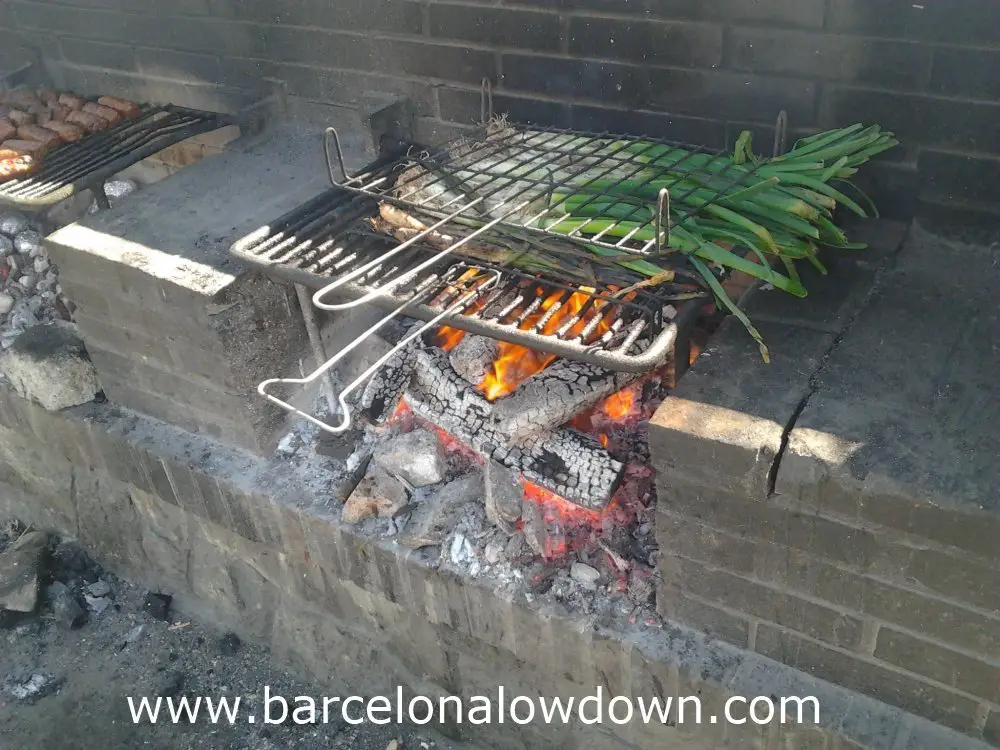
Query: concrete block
[723, 425]
[48, 364]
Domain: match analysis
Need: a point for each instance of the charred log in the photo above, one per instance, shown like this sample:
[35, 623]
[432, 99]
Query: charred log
[473, 356]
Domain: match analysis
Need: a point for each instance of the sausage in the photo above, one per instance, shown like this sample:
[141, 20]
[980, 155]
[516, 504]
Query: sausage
[19, 117]
[14, 165]
[41, 114]
[89, 122]
[67, 131]
[124, 106]
[24, 99]
[7, 129]
[72, 101]
[38, 133]
[113, 116]
[21, 146]
[59, 112]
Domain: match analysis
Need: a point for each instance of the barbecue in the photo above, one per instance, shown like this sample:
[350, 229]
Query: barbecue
[62, 144]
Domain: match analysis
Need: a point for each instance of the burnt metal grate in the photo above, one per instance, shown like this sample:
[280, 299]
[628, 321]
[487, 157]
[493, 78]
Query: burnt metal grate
[522, 176]
[327, 239]
[74, 167]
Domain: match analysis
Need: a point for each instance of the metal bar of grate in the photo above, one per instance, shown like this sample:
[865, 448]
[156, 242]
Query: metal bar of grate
[542, 167]
[88, 163]
[327, 239]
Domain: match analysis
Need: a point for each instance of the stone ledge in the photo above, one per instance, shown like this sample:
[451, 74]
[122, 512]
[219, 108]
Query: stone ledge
[902, 427]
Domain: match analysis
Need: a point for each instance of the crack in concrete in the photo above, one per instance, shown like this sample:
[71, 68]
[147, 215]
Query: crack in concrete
[887, 265]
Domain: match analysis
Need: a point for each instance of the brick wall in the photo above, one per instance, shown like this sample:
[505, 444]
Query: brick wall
[882, 587]
[700, 70]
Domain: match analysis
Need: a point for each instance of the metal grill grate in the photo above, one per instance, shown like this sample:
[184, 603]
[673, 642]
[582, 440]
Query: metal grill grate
[523, 176]
[327, 239]
[87, 164]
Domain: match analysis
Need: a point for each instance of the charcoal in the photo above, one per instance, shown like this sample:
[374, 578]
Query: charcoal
[473, 357]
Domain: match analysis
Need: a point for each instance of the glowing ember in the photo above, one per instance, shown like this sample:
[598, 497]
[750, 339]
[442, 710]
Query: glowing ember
[621, 404]
[448, 338]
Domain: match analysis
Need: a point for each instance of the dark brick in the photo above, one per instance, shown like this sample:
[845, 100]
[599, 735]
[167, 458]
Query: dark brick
[505, 27]
[931, 121]
[464, 107]
[896, 688]
[966, 72]
[782, 12]
[959, 176]
[709, 133]
[161, 482]
[319, 48]
[122, 341]
[186, 490]
[958, 21]
[957, 670]
[218, 37]
[421, 59]
[680, 606]
[731, 95]
[90, 23]
[761, 601]
[887, 63]
[240, 511]
[576, 79]
[400, 16]
[992, 730]
[182, 65]
[100, 54]
[650, 42]
[956, 578]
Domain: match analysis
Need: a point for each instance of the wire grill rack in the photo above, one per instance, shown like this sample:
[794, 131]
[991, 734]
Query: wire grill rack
[327, 241]
[524, 176]
[88, 163]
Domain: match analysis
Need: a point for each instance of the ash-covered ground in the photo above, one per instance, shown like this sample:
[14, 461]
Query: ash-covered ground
[67, 668]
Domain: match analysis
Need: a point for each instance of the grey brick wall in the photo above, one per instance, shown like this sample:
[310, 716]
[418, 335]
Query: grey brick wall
[700, 70]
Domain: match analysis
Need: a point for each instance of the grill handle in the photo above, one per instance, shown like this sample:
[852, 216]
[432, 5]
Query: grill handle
[493, 277]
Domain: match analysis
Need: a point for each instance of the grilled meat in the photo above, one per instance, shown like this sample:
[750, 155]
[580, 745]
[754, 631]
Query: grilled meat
[40, 134]
[19, 117]
[67, 131]
[123, 106]
[72, 101]
[113, 116]
[7, 129]
[25, 147]
[89, 122]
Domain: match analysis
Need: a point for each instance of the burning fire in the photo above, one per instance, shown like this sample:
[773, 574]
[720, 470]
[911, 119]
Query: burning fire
[515, 363]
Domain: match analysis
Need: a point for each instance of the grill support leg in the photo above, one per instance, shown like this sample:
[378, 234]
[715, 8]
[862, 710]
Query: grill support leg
[316, 343]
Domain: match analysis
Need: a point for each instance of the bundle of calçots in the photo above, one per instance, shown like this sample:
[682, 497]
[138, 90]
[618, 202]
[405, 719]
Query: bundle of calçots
[780, 210]
[785, 211]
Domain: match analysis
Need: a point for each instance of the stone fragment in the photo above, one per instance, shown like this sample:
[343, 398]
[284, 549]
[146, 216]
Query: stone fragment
[434, 518]
[134, 634]
[157, 606]
[494, 551]
[48, 364]
[585, 575]
[359, 506]
[99, 588]
[390, 493]
[20, 567]
[96, 604]
[33, 687]
[416, 457]
[65, 608]
[12, 223]
[6, 303]
[504, 495]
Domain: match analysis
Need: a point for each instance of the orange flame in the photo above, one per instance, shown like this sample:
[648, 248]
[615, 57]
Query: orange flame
[621, 404]
[447, 338]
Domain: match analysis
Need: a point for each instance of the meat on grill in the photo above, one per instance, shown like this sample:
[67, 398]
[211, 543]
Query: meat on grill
[38, 133]
[67, 131]
[88, 121]
[7, 129]
[14, 165]
[126, 108]
[72, 101]
[19, 117]
[112, 116]
[25, 147]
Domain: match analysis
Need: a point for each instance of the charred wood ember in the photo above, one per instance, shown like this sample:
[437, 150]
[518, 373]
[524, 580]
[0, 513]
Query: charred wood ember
[565, 461]
[472, 357]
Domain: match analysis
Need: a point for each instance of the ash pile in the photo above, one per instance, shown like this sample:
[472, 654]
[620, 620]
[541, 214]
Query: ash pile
[30, 292]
